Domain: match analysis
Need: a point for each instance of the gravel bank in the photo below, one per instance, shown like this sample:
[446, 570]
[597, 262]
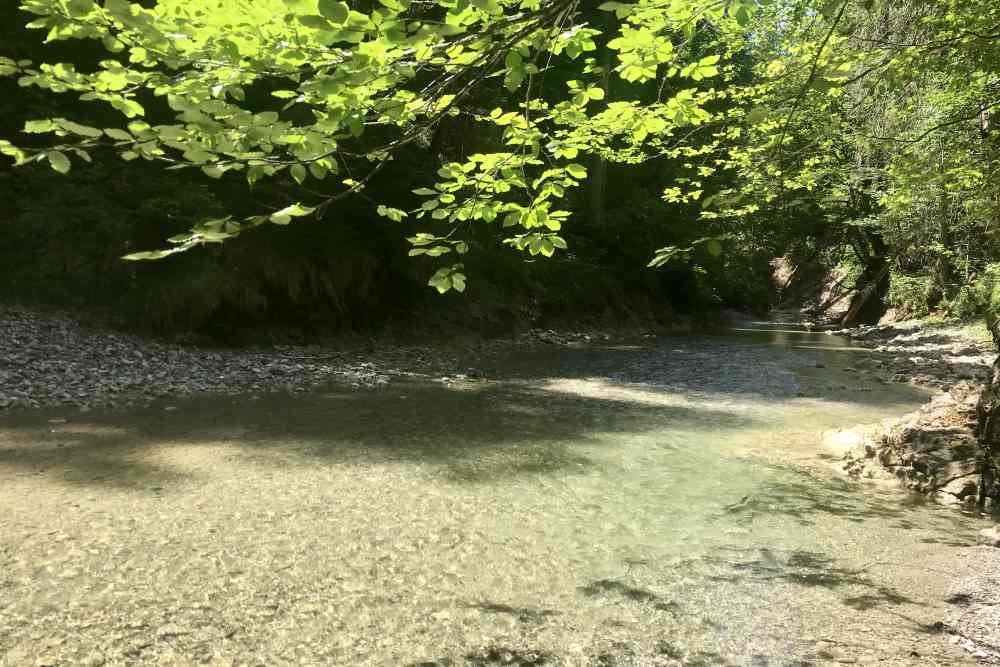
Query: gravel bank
[50, 360]
[935, 356]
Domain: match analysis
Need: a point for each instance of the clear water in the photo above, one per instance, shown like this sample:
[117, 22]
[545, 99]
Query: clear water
[663, 502]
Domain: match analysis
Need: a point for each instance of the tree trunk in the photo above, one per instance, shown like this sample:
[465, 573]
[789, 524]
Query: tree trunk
[988, 409]
[942, 263]
[868, 305]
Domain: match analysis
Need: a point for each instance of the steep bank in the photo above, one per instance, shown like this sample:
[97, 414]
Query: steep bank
[932, 451]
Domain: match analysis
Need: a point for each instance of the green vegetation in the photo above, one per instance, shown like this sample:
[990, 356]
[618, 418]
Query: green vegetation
[302, 148]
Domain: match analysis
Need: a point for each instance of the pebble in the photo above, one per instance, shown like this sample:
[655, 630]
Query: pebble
[990, 536]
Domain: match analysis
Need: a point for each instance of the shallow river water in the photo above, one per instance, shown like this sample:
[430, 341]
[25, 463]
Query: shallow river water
[663, 502]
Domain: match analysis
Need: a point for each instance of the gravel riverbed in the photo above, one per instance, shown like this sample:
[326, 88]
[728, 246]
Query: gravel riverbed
[54, 359]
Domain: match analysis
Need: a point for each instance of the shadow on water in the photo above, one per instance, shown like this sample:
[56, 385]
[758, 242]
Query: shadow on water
[483, 433]
[862, 591]
[610, 587]
[807, 497]
[620, 656]
[496, 655]
[521, 614]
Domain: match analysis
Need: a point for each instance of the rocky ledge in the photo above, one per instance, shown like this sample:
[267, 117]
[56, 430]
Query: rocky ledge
[932, 451]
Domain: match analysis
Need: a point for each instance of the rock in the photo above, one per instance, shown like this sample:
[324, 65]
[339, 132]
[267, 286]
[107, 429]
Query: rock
[989, 536]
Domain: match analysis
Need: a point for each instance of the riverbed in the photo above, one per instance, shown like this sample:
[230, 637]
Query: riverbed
[657, 501]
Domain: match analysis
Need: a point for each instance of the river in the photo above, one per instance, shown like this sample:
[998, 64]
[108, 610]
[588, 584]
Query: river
[660, 501]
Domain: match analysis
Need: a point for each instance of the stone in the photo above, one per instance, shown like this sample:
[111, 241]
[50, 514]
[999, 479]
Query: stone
[990, 536]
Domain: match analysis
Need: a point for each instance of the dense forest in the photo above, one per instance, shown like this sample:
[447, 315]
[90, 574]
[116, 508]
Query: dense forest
[345, 266]
[851, 138]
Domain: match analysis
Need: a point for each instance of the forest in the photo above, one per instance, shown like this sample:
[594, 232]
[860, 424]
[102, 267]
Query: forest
[543, 154]
[257, 172]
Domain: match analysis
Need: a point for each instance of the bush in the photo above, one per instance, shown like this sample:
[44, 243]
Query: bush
[967, 303]
[910, 295]
[987, 288]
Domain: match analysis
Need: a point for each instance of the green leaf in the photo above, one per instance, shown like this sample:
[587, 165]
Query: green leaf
[149, 255]
[285, 215]
[39, 126]
[336, 11]
[118, 135]
[577, 171]
[58, 161]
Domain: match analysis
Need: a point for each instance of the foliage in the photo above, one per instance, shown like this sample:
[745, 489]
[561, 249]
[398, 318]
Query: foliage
[351, 85]
[880, 130]
[909, 295]
[763, 128]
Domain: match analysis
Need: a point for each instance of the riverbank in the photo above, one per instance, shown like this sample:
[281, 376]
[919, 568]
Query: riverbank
[61, 360]
[932, 451]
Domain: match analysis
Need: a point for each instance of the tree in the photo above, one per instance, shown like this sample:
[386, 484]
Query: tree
[328, 92]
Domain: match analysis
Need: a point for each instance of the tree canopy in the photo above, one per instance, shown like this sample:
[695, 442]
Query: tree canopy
[834, 124]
